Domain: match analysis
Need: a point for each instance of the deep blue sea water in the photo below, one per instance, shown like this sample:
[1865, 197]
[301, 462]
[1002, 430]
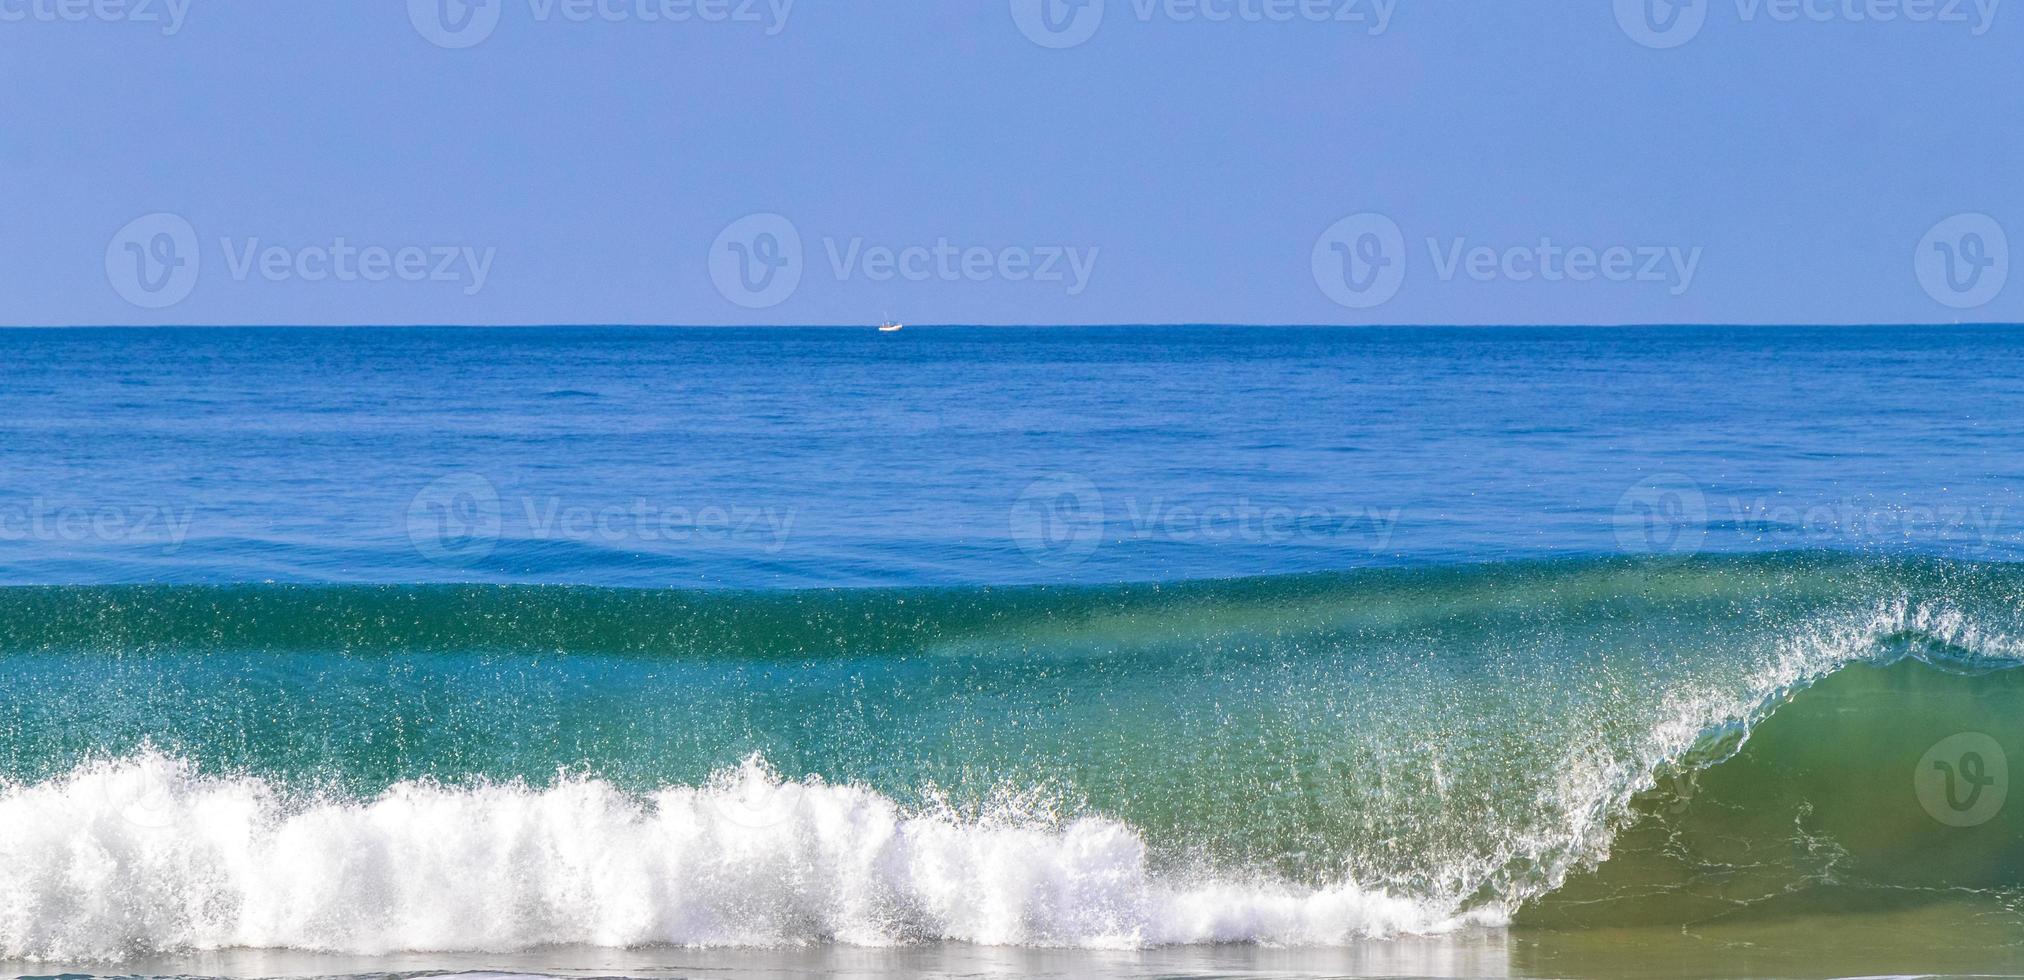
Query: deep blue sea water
[791, 458]
[1193, 650]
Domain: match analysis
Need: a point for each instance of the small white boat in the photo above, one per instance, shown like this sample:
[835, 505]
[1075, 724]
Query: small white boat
[890, 327]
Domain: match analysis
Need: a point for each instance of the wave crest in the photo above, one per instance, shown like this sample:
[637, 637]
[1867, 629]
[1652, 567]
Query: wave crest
[141, 855]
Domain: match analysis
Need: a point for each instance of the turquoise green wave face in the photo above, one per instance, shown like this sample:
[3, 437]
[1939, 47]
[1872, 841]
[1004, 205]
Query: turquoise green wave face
[1882, 787]
[1465, 737]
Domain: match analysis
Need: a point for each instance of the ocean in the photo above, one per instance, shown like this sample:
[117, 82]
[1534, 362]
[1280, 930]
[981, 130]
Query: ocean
[1123, 651]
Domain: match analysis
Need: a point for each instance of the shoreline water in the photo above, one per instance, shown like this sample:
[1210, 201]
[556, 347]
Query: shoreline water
[1929, 942]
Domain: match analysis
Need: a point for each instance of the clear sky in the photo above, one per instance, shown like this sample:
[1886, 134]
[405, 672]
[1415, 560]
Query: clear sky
[1010, 161]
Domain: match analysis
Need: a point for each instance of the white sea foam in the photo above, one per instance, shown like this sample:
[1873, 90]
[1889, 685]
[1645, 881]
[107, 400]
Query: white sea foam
[141, 855]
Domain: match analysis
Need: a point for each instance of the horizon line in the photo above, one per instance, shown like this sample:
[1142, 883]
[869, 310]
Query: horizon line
[1852, 324]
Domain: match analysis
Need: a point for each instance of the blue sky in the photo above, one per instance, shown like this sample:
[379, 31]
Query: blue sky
[1010, 161]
